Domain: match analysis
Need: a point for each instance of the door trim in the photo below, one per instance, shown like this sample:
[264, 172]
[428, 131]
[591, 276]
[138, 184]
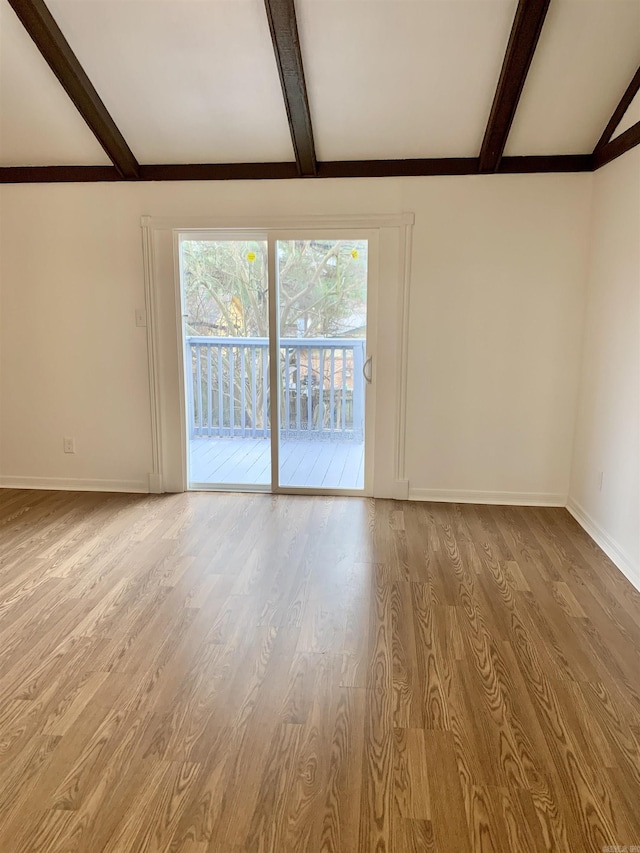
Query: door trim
[276, 223]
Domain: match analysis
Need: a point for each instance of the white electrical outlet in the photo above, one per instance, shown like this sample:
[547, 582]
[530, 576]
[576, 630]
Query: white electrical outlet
[600, 476]
[141, 317]
[69, 445]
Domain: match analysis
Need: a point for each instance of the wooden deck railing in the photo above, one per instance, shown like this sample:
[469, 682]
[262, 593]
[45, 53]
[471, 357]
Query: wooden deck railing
[321, 381]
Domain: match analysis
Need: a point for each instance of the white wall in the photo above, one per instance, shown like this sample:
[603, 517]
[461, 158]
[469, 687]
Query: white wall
[607, 435]
[497, 294]
[73, 363]
[496, 308]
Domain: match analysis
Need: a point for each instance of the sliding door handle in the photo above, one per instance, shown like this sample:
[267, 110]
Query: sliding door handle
[368, 373]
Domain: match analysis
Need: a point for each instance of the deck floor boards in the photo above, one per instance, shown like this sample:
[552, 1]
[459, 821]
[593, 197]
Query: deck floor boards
[306, 464]
[248, 673]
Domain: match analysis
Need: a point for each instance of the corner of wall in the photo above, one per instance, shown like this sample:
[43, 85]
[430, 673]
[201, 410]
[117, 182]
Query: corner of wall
[603, 540]
[604, 492]
[587, 263]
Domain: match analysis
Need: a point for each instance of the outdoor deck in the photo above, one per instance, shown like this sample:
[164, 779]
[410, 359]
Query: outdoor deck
[306, 463]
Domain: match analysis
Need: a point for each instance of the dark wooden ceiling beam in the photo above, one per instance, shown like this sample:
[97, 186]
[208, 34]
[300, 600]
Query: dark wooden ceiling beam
[285, 171]
[618, 146]
[281, 15]
[398, 168]
[620, 110]
[58, 174]
[220, 172]
[525, 32]
[41, 26]
[546, 164]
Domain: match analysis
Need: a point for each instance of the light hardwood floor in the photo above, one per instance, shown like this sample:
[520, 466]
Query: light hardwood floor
[221, 673]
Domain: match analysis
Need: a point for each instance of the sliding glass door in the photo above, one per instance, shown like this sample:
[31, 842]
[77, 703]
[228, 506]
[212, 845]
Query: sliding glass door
[225, 311]
[285, 312]
[322, 319]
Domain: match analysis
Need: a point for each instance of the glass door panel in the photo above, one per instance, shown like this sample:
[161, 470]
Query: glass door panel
[225, 298]
[322, 315]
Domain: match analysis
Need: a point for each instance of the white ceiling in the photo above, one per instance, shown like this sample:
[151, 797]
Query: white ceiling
[39, 125]
[195, 81]
[185, 81]
[587, 54]
[631, 117]
[397, 78]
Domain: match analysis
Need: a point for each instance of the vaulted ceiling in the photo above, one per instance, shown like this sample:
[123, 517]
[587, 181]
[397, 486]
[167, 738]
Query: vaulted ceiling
[171, 89]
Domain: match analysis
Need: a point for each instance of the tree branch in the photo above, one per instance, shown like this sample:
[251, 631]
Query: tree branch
[333, 251]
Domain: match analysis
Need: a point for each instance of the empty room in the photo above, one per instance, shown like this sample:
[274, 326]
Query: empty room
[319, 426]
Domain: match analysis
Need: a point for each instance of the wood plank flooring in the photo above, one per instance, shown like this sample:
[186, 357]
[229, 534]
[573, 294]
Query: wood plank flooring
[207, 673]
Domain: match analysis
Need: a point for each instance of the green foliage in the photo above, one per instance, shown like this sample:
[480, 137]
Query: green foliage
[322, 287]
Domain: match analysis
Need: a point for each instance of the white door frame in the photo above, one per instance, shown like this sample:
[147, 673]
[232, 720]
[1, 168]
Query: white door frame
[389, 236]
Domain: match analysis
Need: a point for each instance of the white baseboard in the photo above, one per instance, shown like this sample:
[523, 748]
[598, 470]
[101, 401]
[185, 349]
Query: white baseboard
[615, 552]
[66, 484]
[499, 498]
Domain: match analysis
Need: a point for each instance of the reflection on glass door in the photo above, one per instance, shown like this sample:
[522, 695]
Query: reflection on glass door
[225, 297]
[322, 313]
